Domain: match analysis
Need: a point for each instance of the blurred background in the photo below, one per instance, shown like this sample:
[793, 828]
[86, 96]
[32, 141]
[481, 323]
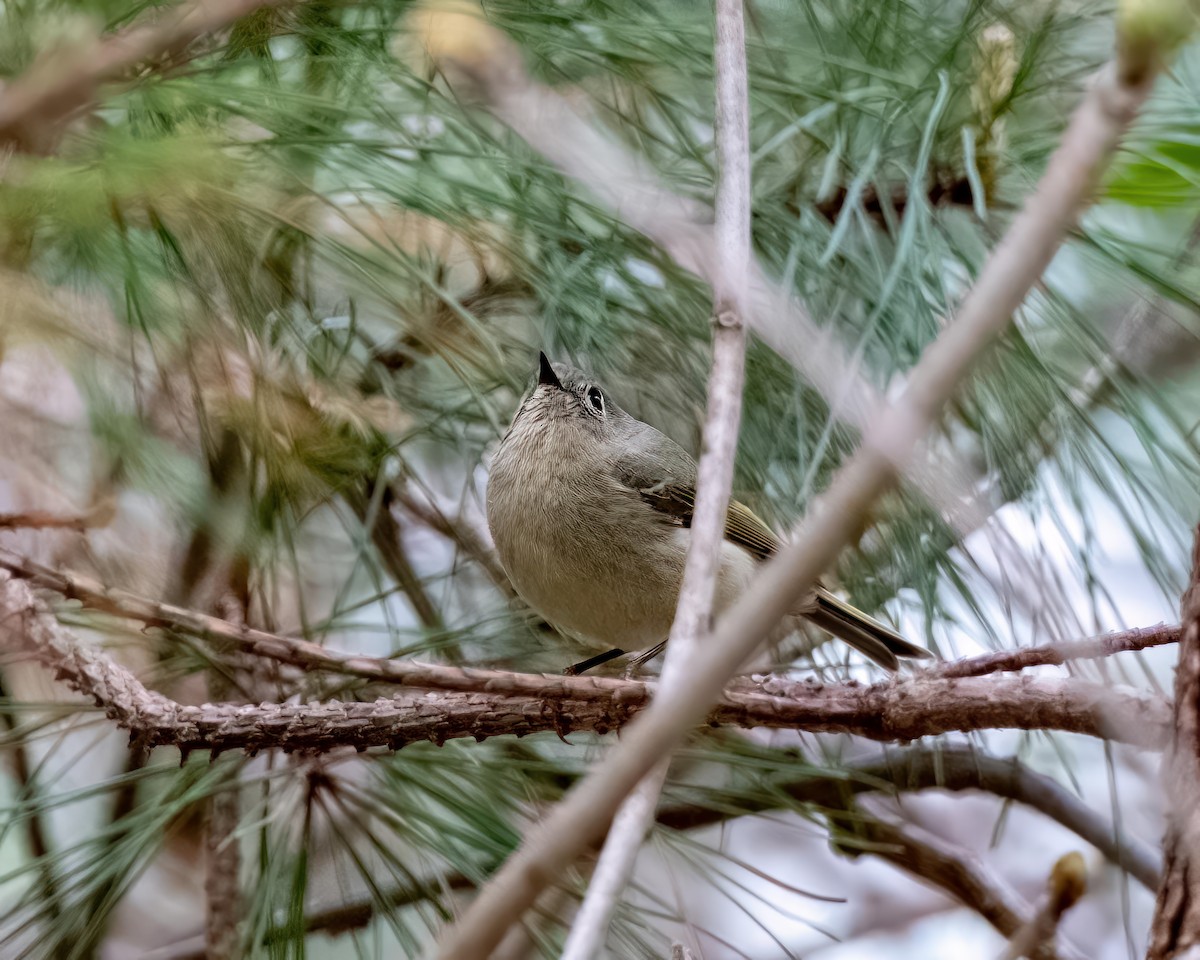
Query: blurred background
[266, 310]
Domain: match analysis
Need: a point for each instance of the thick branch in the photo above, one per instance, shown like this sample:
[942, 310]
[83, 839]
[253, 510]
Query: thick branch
[893, 710]
[1175, 928]
[913, 769]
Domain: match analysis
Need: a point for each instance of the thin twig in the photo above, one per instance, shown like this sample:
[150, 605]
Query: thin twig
[551, 845]
[312, 656]
[41, 520]
[1064, 889]
[1056, 654]
[694, 609]
[941, 767]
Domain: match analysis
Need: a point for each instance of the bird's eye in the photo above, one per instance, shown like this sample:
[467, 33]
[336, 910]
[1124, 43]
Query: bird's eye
[596, 399]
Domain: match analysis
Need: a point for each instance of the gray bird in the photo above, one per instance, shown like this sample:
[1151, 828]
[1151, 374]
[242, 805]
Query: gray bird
[591, 510]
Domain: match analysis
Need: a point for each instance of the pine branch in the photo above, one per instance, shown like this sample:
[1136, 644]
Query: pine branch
[35, 105]
[893, 710]
[313, 657]
[941, 767]
[938, 862]
[910, 770]
[1065, 651]
[481, 62]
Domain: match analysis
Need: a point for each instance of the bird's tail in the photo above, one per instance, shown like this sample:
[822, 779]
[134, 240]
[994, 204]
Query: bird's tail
[865, 634]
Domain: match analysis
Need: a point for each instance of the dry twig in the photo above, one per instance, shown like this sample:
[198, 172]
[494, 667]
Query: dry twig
[1067, 884]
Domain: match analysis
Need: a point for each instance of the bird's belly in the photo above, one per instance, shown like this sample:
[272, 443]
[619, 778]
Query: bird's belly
[610, 595]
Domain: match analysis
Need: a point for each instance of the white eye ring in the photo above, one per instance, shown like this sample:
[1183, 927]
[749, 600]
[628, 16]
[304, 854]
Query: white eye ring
[596, 399]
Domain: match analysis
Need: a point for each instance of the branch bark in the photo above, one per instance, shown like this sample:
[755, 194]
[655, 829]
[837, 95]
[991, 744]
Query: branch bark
[1014, 266]
[942, 767]
[1175, 928]
[893, 710]
[934, 860]
[312, 656]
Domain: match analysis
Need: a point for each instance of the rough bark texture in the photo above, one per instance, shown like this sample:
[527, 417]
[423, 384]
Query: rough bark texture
[1176, 925]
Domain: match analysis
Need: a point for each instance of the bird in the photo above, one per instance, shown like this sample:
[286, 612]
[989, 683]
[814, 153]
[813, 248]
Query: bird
[590, 510]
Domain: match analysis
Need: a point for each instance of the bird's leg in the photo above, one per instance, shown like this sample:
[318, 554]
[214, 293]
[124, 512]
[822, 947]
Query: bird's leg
[644, 657]
[583, 666]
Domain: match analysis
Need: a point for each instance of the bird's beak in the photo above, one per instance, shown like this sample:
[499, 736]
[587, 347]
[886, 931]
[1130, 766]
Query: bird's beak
[546, 374]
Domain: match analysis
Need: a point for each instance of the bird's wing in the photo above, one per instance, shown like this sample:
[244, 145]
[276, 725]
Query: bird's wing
[666, 482]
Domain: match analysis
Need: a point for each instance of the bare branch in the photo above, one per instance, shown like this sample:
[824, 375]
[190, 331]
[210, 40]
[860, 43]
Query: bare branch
[1176, 924]
[311, 656]
[694, 608]
[1064, 889]
[935, 861]
[895, 710]
[34, 107]
[1056, 654]
[41, 520]
[942, 767]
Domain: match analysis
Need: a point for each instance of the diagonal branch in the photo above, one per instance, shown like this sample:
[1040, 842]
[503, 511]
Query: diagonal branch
[956, 871]
[893, 440]
[1065, 651]
[34, 107]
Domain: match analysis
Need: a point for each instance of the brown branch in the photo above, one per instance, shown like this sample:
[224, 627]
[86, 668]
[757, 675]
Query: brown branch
[893, 710]
[1056, 654]
[942, 767]
[311, 656]
[34, 107]
[42, 520]
[935, 861]
[1175, 927]
[910, 770]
